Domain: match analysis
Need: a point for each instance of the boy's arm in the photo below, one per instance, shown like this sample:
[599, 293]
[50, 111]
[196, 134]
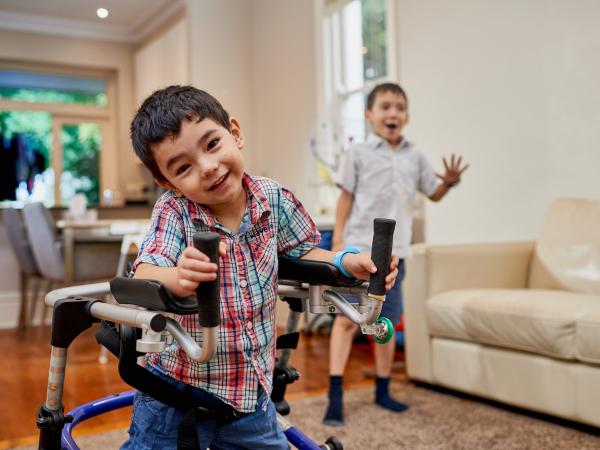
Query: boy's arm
[358, 265]
[342, 212]
[450, 178]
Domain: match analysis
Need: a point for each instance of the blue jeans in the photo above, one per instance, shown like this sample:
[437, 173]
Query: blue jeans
[392, 307]
[154, 425]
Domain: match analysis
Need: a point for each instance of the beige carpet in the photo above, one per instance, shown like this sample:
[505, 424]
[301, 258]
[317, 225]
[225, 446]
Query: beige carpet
[434, 421]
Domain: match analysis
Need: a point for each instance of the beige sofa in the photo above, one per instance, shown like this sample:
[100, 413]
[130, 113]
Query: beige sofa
[514, 322]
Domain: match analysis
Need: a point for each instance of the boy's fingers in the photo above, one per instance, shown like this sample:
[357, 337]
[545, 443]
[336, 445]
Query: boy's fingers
[463, 169]
[445, 163]
[197, 277]
[198, 266]
[194, 253]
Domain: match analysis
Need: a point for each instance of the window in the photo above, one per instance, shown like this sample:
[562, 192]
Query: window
[51, 134]
[357, 54]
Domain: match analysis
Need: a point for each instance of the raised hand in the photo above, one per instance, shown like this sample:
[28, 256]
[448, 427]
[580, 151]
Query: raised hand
[453, 172]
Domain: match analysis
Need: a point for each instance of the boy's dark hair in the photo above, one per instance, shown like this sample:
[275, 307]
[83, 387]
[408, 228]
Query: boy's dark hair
[161, 116]
[382, 88]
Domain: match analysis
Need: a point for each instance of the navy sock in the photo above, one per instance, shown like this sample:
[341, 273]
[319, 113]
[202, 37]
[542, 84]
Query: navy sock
[335, 411]
[382, 396]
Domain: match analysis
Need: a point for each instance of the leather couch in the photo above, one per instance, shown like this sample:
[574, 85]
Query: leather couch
[516, 322]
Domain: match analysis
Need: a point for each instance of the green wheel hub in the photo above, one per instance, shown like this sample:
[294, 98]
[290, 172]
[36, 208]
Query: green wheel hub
[390, 330]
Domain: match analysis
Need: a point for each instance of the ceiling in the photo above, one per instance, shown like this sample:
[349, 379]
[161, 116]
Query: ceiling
[128, 20]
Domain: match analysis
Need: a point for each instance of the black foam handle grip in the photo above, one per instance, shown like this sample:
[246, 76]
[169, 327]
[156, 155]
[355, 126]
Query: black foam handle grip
[381, 253]
[208, 292]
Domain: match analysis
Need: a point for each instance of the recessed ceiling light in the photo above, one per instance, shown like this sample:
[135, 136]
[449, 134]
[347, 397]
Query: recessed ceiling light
[102, 13]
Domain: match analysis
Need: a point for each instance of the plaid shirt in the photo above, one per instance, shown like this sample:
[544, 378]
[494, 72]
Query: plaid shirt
[277, 224]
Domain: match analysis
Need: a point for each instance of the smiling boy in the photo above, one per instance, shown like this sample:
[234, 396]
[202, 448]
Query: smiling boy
[193, 149]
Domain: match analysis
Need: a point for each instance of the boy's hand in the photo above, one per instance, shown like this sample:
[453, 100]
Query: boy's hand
[361, 266]
[194, 267]
[453, 171]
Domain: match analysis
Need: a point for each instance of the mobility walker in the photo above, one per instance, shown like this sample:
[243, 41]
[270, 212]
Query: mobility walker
[142, 322]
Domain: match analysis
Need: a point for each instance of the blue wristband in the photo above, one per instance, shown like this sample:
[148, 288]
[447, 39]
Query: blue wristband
[339, 257]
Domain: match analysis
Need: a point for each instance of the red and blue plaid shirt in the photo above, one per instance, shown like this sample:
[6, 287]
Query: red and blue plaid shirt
[276, 224]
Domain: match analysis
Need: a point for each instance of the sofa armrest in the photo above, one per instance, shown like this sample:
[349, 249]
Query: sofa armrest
[433, 269]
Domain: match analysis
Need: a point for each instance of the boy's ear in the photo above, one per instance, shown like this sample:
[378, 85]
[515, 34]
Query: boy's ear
[168, 186]
[368, 114]
[236, 132]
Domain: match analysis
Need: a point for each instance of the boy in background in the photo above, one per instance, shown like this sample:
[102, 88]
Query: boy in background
[380, 178]
[193, 149]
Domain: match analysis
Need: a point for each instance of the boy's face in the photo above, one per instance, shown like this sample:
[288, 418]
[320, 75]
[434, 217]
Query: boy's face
[388, 116]
[204, 163]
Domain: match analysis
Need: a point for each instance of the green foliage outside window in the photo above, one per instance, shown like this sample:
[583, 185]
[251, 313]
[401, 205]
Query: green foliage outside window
[53, 96]
[374, 39]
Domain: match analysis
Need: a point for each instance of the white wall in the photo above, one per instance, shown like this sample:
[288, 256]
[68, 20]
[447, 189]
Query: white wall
[285, 97]
[257, 58]
[513, 86]
[162, 61]
[220, 39]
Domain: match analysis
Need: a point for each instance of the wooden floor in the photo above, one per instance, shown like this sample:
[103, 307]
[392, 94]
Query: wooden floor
[24, 375]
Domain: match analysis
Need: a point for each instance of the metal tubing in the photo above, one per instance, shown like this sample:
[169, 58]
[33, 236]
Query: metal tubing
[56, 378]
[139, 318]
[193, 350]
[84, 290]
[350, 312]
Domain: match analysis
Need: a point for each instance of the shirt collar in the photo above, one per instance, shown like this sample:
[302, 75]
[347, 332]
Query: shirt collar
[375, 141]
[257, 204]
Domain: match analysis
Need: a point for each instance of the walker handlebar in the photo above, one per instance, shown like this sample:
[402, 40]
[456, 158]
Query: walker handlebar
[381, 254]
[208, 292]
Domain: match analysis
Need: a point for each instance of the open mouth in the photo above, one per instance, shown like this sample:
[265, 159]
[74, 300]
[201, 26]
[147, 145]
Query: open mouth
[391, 126]
[217, 184]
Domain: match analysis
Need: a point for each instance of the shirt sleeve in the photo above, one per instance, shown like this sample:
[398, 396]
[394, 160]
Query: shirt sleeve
[346, 176]
[427, 180]
[165, 241]
[297, 233]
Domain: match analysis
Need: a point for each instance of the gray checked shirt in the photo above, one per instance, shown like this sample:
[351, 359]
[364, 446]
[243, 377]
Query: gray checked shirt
[384, 181]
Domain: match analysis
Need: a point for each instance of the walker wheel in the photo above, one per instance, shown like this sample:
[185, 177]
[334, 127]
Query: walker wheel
[390, 331]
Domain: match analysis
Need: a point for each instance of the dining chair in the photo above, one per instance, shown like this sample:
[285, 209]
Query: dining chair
[98, 262]
[28, 268]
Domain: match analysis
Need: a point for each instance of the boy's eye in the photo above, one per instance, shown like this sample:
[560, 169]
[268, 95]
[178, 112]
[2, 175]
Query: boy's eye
[182, 169]
[212, 144]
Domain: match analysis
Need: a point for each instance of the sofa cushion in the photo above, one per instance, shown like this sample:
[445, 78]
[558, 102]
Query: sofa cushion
[567, 253]
[587, 336]
[537, 321]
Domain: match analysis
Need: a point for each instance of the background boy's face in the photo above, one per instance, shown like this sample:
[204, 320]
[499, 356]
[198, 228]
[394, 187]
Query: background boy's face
[388, 116]
[203, 163]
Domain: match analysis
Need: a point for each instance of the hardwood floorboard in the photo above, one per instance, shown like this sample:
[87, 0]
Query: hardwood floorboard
[26, 356]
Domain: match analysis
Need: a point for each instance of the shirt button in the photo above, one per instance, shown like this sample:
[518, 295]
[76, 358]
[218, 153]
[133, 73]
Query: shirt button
[249, 325]
[243, 283]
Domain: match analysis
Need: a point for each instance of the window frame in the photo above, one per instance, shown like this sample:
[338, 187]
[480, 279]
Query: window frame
[332, 90]
[105, 116]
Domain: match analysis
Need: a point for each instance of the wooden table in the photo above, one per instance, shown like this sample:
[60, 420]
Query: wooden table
[102, 230]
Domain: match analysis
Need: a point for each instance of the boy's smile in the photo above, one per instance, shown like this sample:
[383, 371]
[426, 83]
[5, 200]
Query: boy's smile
[388, 116]
[204, 164]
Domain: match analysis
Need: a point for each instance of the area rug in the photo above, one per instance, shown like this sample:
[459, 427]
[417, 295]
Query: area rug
[434, 421]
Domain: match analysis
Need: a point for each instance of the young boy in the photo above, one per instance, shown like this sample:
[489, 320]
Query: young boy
[380, 178]
[192, 147]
